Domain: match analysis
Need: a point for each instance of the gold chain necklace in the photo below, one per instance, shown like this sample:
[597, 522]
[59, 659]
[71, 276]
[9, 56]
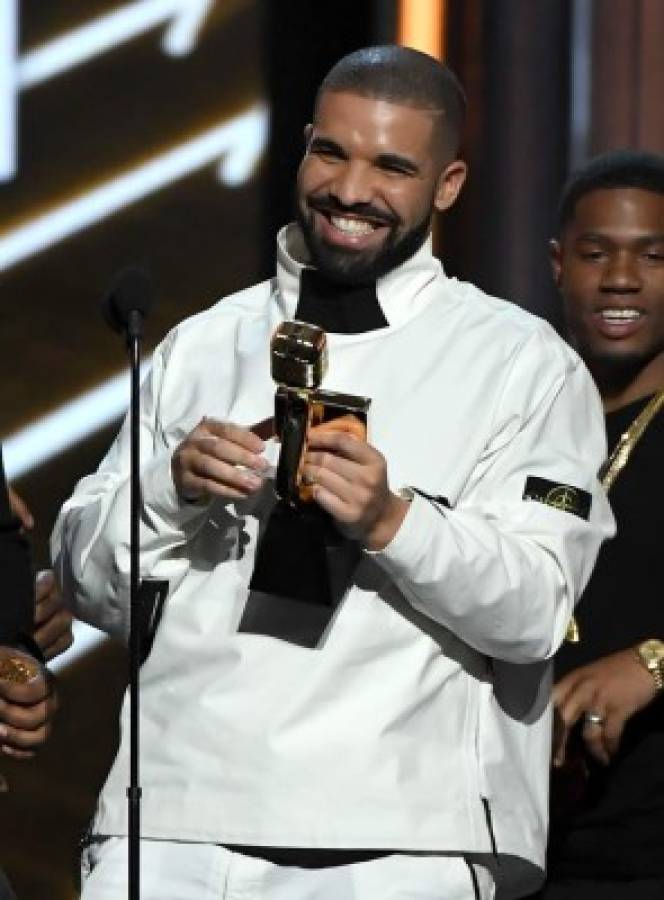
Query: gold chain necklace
[616, 463]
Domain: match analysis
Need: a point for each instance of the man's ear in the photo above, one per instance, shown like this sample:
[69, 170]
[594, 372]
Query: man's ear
[449, 184]
[556, 259]
[308, 132]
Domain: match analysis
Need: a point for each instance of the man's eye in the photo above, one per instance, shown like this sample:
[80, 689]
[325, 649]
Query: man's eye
[394, 169]
[592, 255]
[326, 152]
[656, 256]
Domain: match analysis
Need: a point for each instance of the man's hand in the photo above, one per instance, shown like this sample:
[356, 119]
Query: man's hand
[21, 510]
[53, 622]
[207, 463]
[26, 707]
[349, 481]
[614, 688]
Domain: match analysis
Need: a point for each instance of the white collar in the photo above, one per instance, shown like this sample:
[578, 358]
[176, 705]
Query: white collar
[400, 293]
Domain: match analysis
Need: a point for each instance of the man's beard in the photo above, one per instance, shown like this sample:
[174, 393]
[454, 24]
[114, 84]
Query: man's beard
[348, 267]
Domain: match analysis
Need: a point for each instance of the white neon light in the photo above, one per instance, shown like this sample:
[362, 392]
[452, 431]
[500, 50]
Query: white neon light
[61, 429]
[240, 141]
[8, 36]
[107, 32]
[186, 18]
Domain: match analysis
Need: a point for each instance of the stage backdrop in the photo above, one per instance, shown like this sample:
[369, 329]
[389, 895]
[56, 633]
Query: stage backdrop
[131, 131]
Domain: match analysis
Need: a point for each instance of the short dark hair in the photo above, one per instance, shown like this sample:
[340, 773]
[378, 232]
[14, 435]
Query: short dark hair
[402, 75]
[615, 169]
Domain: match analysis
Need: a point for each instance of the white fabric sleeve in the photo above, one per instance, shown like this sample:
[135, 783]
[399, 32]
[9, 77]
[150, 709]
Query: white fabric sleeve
[500, 571]
[90, 541]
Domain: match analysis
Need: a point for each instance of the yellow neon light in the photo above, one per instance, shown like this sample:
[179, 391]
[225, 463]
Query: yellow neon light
[421, 25]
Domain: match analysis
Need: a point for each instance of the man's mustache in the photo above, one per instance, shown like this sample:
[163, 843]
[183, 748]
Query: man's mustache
[362, 210]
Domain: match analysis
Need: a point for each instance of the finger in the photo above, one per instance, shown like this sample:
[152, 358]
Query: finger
[55, 635]
[48, 607]
[235, 434]
[23, 739]
[229, 452]
[348, 424]
[593, 737]
[20, 509]
[613, 731]
[318, 463]
[221, 477]
[46, 587]
[565, 687]
[560, 737]
[331, 504]
[15, 718]
[63, 643]
[24, 693]
[349, 492]
[342, 444]
[17, 754]
[572, 705]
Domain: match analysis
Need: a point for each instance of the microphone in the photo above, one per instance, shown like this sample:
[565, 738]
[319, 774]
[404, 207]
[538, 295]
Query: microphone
[128, 301]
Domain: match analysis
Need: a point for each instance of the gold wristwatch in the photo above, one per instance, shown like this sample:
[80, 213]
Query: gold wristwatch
[651, 656]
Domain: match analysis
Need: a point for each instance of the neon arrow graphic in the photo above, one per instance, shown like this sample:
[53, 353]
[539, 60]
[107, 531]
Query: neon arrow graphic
[185, 18]
[239, 143]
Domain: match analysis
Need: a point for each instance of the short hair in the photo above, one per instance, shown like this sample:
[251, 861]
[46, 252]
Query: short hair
[615, 169]
[402, 75]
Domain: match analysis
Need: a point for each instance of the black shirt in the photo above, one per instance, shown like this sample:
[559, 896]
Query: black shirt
[617, 828]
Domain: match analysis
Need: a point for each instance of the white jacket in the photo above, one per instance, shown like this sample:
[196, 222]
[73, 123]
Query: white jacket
[422, 721]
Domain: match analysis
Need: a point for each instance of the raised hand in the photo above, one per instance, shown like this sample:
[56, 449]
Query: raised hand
[605, 694]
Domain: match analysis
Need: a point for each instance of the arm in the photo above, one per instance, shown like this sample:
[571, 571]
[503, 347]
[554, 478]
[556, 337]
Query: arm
[500, 571]
[52, 629]
[90, 542]
[17, 594]
[26, 699]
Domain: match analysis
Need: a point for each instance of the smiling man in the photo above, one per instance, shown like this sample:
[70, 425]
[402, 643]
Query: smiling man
[385, 734]
[609, 266]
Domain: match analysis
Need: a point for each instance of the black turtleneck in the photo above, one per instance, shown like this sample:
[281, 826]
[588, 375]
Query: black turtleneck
[338, 308]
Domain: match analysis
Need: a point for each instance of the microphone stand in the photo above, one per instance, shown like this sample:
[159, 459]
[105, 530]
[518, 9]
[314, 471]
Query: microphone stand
[134, 336]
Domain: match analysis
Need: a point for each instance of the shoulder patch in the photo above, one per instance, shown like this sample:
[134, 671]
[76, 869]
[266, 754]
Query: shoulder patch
[564, 497]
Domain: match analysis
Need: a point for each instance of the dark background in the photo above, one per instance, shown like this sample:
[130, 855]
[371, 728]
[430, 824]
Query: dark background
[549, 82]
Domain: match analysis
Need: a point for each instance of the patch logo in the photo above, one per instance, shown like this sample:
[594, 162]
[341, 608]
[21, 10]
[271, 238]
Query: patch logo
[564, 497]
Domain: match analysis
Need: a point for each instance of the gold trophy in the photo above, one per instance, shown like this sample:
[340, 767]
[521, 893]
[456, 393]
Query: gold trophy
[299, 364]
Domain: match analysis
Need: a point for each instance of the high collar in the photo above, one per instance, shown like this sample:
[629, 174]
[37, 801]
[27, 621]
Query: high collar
[400, 293]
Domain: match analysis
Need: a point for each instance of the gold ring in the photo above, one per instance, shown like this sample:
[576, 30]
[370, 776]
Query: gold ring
[17, 670]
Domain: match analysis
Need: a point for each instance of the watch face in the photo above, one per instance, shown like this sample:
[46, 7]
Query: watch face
[652, 652]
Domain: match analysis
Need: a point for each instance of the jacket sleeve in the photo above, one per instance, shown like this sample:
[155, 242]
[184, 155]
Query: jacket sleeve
[90, 541]
[503, 569]
[17, 595]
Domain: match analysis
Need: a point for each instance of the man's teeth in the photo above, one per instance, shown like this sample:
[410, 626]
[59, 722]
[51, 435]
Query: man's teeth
[620, 315]
[352, 226]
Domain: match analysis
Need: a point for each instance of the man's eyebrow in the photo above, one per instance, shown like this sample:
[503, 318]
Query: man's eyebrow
[652, 237]
[327, 145]
[395, 161]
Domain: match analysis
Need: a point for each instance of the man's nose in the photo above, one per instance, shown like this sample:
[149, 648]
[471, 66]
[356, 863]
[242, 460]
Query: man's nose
[621, 274]
[352, 184]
